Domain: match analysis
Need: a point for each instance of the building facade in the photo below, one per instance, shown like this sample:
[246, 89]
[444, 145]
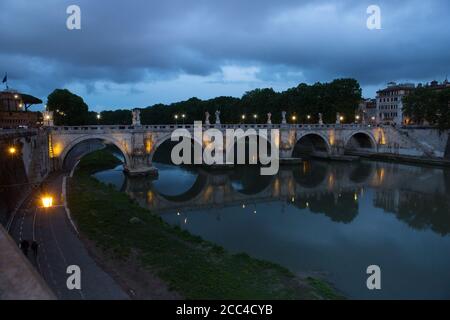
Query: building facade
[389, 103]
[14, 110]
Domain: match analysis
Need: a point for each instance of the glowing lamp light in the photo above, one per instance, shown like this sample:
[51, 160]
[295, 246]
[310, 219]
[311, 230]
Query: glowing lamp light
[176, 116]
[308, 117]
[98, 116]
[243, 117]
[294, 118]
[47, 201]
[183, 116]
[341, 118]
[255, 116]
[12, 150]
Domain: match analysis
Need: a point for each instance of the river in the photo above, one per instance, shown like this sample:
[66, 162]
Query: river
[326, 219]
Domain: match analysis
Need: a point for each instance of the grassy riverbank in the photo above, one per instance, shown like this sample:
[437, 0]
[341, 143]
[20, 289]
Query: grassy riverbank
[194, 268]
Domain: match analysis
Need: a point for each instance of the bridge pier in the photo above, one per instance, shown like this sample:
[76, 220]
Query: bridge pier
[142, 171]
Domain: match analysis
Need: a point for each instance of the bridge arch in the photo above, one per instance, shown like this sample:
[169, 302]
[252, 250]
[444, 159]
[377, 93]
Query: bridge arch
[81, 139]
[360, 140]
[167, 138]
[310, 143]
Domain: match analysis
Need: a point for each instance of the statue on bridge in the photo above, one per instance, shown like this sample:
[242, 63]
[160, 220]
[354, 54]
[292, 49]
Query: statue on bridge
[217, 117]
[136, 117]
[283, 115]
[207, 118]
[269, 118]
[320, 118]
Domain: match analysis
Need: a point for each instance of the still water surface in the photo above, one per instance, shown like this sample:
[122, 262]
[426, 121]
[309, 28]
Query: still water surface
[325, 219]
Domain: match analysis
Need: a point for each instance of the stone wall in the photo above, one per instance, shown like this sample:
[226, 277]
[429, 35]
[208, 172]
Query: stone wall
[430, 138]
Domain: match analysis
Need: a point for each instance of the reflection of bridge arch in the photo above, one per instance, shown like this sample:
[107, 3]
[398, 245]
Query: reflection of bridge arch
[194, 191]
[81, 139]
[310, 143]
[360, 139]
[310, 174]
[251, 185]
[361, 173]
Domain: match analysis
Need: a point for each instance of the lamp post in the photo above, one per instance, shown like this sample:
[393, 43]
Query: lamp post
[183, 116]
[294, 119]
[255, 116]
[308, 117]
[99, 117]
[176, 119]
[243, 118]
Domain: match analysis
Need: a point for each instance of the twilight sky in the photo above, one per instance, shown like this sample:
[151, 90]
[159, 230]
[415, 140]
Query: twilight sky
[138, 52]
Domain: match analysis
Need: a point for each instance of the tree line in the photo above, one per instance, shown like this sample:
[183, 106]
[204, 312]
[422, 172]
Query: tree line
[302, 104]
[428, 105]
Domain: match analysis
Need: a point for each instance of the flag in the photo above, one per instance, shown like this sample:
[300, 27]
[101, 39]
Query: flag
[5, 79]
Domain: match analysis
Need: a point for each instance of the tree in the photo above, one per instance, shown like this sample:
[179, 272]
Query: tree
[432, 106]
[68, 108]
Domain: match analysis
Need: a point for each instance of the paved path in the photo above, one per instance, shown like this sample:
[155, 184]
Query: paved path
[60, 247]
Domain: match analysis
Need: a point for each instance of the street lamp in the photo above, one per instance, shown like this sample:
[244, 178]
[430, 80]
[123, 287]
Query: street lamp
[176, 119]
[183, 116]
[294, 119]
[256, 117]
[243, 118]
[12, 151]
[308, 117]
[47, 201]
[341, 118]
[357, 117]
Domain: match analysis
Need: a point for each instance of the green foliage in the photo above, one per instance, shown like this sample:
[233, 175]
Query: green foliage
[97, 161]
[428, 105]
[341, 95]
[68, 108]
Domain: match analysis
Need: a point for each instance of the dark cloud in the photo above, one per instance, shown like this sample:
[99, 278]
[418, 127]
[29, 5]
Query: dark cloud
[136, 42]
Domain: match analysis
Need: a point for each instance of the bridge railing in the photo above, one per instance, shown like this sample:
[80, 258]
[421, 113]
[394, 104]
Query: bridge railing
[170, 127]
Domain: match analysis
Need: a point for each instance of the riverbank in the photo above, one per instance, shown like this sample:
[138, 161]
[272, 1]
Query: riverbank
[390, 157]
[127, 235]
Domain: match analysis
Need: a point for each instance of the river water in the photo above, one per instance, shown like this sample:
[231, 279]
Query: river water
[325, 219]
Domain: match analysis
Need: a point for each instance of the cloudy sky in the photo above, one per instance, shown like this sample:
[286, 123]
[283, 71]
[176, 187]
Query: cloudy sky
[140, 52]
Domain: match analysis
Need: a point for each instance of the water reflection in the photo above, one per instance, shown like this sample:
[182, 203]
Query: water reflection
[332, 219]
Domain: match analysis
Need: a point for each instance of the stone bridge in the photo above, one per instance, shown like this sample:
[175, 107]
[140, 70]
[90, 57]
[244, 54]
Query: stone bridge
[138, 143]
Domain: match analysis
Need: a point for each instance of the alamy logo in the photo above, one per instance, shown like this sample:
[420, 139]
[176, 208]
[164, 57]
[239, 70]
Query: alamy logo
[74, 280]
[73, 22]
[374, 20]
[215, 144]
[374, 280]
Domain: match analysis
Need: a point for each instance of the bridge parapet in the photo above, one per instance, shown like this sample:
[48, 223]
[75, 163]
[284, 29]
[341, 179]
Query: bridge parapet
[169, 127]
